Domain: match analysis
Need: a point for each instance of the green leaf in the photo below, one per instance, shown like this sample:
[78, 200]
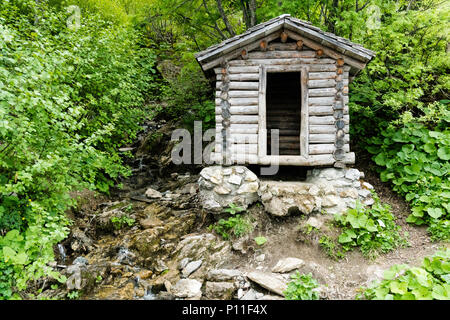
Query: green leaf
[380, 159]
[260, 240]
[8, 253]
[435, 212]
[444, 153]
[429, 147]
[398, 287]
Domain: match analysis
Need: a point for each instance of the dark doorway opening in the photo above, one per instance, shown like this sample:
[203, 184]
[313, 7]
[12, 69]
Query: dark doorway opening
[283, 106]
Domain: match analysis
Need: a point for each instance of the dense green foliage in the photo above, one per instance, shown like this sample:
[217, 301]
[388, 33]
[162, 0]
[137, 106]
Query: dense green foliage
[235, 226]
[401, 282]
[68, 99]
[416, 160]
[372, 229]
[301, 287]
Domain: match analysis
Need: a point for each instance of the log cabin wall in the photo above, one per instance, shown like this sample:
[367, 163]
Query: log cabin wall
[325, 95]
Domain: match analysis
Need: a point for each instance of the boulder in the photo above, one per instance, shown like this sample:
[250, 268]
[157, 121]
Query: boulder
[269, 281]
[287, 265]
[153, 194]
[187, 288]
[221, 186]
[219, 290]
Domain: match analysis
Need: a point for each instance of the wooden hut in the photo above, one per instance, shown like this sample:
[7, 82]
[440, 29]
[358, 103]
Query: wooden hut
[289, 75]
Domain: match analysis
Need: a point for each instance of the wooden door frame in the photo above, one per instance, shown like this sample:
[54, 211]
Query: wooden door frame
[304, 114]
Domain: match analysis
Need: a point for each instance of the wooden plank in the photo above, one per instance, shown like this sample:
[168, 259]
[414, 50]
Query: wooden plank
[325, 138]
[320, 101]
[241, 128]
[322, 68]
[236, 110]
[304, 113]
[322, 75]
[322, 92]
[324, 120]
[243, 101]
[235, 85]
[244, 138]
[290, 61]
[321, 83]
[244, 110]
[281, 54]
[325, 129]
[312, 160]
[325, 148]
[243, 119]
[282, 46]
[242, 94]
[240, 77]
[243, 69]
[262, 131]
[238, 148]
[225, 55]
[321, 110]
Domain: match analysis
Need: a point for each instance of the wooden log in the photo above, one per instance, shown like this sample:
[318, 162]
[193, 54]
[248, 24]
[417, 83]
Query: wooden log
[240, 94]
[340, 62]
[322, 75]
[322, 67]
[244, 138]
[240, 148]
[249, 110]
[327, 51]
[241, 128]
[321, 110]
[326, 120]
[288, 61]
[240, 77]
[321, 83]
[243, 69]
[236, 85]
[244, 119]
[244, 54]
[320, 101]
[299, 44]
[283, 37]
[313, 160]
[322, 92]
[263, 45]
[325, 129]
[319, 52]
[234, 52]
[281, 54]
[349, 158]
[325, 138]
[236, 110]
[243, 101]
[325, 148]
[304, 134]
[282, 46]
[262, 130]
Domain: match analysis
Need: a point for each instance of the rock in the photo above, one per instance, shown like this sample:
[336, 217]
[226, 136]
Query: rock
[81, 261]
[314, 222]
[367, 185]
[153, 194]
[144, 274]
[349, 193]
[268, 281]
[283, 198]
[150, 222]
[240, 294]
[219, 290]
[235, 179]
[221, 186]
[364, 193]
[368, 202]
[287, 265]
[249, 295]
[352, 174]
[187, 288]
[223, 274]
[191, 267]
[183, 263]
[330, 201]
[260, 258]
[160, 266]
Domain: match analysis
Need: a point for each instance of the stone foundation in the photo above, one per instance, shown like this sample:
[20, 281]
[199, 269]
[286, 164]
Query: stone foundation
[330, 190]
[220, 186]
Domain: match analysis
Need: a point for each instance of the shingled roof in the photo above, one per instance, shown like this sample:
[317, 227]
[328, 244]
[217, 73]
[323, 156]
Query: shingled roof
[285, 21]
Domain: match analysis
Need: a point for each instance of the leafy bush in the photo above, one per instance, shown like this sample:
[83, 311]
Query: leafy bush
[332, 249]
[401, 282]
[302, 288]
[120, 222]
[236, 226]
[373, 229]
[416, 160]
[68, 99]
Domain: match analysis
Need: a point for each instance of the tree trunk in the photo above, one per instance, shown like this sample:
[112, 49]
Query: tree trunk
[224, 18]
